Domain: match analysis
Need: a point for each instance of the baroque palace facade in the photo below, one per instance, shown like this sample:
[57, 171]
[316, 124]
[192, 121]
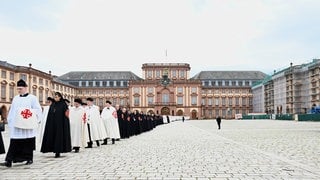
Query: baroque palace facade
[165, 88]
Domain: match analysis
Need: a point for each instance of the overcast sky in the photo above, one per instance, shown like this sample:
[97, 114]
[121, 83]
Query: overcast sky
[121, 35]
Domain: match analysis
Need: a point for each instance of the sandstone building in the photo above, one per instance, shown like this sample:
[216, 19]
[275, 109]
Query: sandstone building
[164, 88]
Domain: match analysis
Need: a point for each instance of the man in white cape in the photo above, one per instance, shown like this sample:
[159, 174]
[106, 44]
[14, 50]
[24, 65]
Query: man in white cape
[78, 125]
[110, 120]
[96, 130]
[24, 108]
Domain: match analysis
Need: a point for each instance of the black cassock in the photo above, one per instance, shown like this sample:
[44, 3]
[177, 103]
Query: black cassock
[56, 137]
[2, 149]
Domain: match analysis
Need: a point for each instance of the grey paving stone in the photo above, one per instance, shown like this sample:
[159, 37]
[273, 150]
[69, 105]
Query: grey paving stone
[193, 150]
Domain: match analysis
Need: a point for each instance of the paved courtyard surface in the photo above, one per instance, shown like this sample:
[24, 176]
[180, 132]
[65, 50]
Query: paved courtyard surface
[190, 150]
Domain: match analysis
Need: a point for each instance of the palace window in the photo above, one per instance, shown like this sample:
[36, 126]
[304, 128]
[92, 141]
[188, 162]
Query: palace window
[41, 96]
[194, 100]
[158, 74]
[136, 101]
[174, 73]
[149, 74]
[165, 98]
[237, 101]
[181, 74]
[11, 92]
[244, 101]
[203, 101]
[40, 81]
[179, 100]
[150, 90]
[34, 91]
[100, 102]
[223, 101]
[150, 100]
[23, 77]
[136, 90]
[193, 90]
[3, 74]
[11, 76]
[122, 102]
[3, 92]
[34, 79]
[230, 101]
[217, 101]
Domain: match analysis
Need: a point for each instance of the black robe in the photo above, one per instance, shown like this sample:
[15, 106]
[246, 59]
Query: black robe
[56, 137]
[2, 149]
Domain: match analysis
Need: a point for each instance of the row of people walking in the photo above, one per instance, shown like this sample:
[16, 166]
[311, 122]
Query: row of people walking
[134, 123]
[64, 128]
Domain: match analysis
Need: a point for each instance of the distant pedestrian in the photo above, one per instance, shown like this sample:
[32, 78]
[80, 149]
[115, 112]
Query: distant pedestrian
[182, 118]
[219, 122]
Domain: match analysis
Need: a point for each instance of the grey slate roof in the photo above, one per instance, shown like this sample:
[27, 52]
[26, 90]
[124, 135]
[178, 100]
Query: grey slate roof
[56, 79]
[6, 64]
[99, 75]
[230, 75]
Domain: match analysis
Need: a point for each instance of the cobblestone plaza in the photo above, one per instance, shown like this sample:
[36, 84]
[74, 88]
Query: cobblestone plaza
[242, 149]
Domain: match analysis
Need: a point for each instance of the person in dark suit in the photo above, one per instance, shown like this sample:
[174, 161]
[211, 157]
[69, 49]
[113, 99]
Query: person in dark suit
[219, 122]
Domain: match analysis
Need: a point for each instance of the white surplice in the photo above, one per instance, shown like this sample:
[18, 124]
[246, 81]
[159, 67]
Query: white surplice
[78, 126]
[110, 120]
[30, 102]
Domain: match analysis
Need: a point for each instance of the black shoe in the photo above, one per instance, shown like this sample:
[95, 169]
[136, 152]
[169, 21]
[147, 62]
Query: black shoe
[29, 162]
[6, 163]
[89, 145]
[76, 149]
[105, 142]
[57, 155]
